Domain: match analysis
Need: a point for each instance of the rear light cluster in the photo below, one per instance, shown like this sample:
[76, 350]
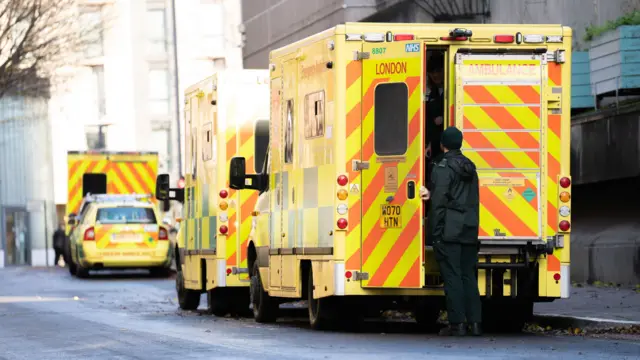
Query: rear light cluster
[342, 194]
[89, 234]
[163, 234]
[565, 206]
[224, 205]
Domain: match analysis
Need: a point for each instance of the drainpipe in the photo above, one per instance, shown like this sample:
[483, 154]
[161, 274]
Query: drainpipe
[176, 85]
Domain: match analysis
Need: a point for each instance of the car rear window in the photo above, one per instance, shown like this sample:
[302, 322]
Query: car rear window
[126, 215]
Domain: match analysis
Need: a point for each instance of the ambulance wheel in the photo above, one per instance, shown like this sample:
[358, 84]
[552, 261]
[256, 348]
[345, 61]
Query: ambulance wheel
[321, 313]
[81, 272]
[218, 302]
[187, 299]
[265, 308]
[72, 268]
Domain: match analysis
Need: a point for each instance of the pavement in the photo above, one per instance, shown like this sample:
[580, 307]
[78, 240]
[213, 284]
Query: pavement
[47, 314]
[592, 306]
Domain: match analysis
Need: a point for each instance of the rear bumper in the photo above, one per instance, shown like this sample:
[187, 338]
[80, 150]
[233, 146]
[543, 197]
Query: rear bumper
[93, 258]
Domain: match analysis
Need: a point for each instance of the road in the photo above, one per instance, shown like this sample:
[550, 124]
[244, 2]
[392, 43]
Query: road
[47, 314]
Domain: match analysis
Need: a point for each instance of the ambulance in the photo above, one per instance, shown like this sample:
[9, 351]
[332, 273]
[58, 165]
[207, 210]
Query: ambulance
[226, 115]
[339, 221]
[105, 172]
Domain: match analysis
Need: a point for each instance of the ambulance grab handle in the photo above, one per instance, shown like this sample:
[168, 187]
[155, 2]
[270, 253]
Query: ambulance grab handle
[411, 190]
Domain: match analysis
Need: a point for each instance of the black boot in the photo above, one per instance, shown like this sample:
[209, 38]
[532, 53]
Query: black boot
[476, 329]
[454, 330]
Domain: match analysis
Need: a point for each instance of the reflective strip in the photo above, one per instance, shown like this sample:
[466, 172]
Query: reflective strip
[221, 272]
[553, 158]
[565, 281]
[339, 278]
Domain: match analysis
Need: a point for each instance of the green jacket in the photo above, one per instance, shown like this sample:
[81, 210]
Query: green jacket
[454, 216]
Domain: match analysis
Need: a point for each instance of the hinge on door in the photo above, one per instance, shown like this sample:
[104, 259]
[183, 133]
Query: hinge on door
[358, 165]
[360, 55]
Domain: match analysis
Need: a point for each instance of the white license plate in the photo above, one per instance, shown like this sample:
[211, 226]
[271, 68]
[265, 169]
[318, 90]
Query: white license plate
[126, 238]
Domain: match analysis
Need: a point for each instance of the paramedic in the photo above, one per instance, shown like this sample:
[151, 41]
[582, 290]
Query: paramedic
[453, 226]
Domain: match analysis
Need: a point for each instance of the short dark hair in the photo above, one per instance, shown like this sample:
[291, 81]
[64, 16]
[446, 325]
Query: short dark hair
[435, 63]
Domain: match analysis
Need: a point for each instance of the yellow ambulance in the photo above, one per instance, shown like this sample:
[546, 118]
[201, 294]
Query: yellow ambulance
[226, 115]
[339, 221]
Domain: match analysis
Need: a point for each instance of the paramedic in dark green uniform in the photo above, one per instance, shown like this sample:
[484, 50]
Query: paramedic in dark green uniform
[453, 227]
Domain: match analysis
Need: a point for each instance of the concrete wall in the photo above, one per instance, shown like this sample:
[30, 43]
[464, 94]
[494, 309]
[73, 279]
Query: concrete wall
[270, 24]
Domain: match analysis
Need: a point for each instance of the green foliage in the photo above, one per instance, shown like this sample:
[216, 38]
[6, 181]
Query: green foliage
[632, 18]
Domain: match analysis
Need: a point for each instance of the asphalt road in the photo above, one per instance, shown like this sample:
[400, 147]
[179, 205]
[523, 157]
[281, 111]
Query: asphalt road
[47, 314]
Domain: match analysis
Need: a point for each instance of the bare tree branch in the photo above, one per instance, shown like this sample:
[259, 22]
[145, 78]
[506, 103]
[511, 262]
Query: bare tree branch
[36, 38]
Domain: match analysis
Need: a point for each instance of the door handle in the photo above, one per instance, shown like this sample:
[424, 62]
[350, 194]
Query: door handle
[411, 189]
[293, 195]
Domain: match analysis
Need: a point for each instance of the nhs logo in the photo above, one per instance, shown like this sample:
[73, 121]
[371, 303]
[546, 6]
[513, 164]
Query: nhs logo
[415, 47]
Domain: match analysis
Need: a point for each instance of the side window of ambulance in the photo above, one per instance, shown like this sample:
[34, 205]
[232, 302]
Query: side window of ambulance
[288, 133]
[261, 144]
[391, 124]
[314, 115]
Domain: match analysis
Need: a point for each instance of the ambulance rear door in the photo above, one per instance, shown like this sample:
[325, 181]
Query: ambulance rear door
[392, 164]
[500, 111]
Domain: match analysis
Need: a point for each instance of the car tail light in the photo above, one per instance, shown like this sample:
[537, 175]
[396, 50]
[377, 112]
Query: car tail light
[348, 274]
[343, 180]
[504, 39]
[565, 196]
[564, 225]
[342, 223]
[565, 182]
[402, 37]
[556, 277]
[89, 234]
[224, 229]
[163, 234]
[224, 194]
[342, 194]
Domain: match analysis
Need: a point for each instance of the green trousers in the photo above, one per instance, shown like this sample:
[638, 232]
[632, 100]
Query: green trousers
[458, 269]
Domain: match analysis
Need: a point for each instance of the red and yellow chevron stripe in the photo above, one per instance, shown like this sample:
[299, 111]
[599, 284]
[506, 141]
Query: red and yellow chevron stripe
[124, 176]
[390, 256]
[554, 137]
[231, 242]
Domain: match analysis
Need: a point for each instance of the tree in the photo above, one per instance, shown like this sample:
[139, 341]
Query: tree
[36, 38]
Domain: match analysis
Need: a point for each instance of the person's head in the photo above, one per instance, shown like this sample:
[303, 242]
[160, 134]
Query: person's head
[61, 225]
[435, 70]
[451, 139]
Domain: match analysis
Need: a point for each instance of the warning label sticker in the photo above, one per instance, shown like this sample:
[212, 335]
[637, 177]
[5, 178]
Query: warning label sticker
[510, 182]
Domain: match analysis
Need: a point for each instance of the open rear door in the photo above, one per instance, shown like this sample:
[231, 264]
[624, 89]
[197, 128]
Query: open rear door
[499, 108]
[392, 163]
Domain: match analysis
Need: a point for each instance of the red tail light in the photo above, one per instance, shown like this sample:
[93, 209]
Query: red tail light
[224, 229]
[89, 234]
[504, 39]
[565, 182]
[342, 223]
[342, 180]
[163, 234]
[564, 225]
[401, 37]
[224, 194]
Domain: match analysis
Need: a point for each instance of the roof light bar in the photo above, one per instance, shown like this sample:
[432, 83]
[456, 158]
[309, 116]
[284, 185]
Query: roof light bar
[504, 39]
[403, 37]
[533, 39]
[374, 37]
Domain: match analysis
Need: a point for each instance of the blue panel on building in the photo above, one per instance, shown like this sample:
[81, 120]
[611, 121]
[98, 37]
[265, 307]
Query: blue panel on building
[615, 60]
[581, 96]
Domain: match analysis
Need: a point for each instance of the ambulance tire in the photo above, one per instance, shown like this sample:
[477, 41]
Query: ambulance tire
[265, 308]
[187, 299]
[72, 268]
[322, 315]
[81, 272]
[218, 302]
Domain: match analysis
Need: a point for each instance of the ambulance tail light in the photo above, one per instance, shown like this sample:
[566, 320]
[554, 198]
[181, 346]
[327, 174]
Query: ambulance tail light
[223, 205]
[342, 223]
[565, 182]
[343, 180]
[564, 225]
[224, 229]
[342, 194]
[565, 196]
[504, 39]
[223, 194]
[163, 234]
[89, 234]
[403, 37]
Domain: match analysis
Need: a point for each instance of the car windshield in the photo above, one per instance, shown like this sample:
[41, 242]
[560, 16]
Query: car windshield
[126, 215]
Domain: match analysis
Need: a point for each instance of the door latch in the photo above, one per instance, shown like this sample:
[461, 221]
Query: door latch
[358, 165]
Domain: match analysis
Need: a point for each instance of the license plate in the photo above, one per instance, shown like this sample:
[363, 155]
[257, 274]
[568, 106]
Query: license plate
[129, 238]
[391, 216]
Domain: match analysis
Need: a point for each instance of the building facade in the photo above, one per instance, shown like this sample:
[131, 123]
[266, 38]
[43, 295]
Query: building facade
[270, 24]
[126, 92]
